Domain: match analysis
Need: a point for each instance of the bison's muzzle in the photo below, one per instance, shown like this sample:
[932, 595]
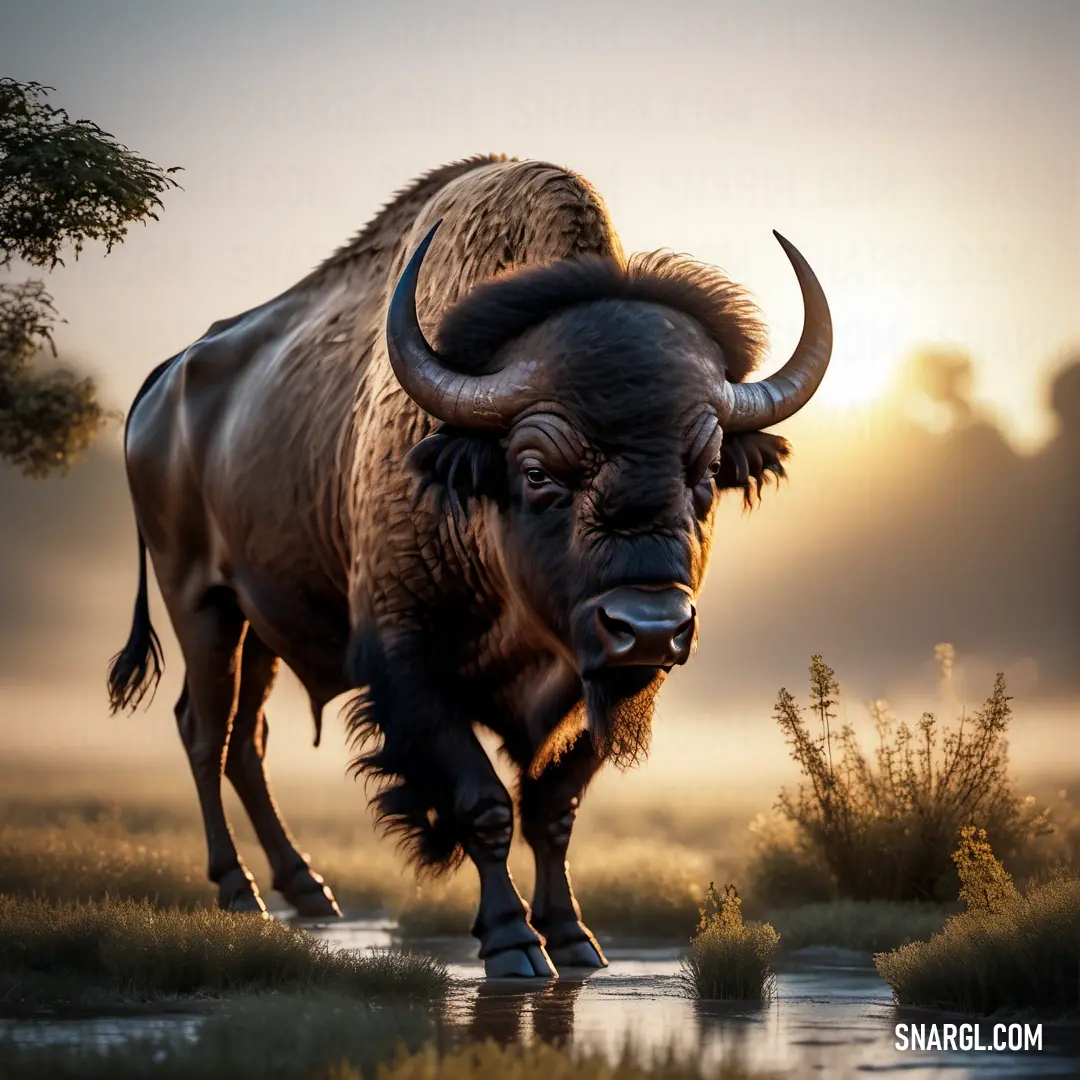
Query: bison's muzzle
[637, 626]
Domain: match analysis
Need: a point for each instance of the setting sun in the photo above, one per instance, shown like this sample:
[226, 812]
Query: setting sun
[872, 328]
[854, 380]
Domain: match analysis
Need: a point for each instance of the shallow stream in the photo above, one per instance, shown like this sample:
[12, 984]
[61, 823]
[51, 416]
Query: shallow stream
[832, 1016]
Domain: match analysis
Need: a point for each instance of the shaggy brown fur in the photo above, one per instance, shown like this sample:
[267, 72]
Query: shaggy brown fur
[498, 311]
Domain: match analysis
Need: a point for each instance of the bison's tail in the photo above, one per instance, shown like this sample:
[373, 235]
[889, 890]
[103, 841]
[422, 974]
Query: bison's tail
[136, 669]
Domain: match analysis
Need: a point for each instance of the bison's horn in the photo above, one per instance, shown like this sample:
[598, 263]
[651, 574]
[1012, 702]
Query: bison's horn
[473, 401]
[757, 405]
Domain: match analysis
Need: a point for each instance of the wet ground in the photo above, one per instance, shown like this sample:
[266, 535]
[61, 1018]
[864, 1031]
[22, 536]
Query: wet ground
[832, 1016]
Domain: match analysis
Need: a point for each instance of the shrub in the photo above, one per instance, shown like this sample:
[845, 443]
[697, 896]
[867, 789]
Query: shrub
[885, 829]
[1008, 950]
[729, 960]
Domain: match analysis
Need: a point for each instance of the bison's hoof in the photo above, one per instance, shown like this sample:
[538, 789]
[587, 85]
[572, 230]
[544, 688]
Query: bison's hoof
[310, 896]
[529, 962]
[237, 891]
[578, 954]
[570, 943]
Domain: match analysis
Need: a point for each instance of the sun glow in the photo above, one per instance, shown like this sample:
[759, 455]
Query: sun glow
[852, 381]
[873, 329]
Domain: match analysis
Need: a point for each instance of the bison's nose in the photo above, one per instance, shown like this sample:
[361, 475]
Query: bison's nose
[650, 627]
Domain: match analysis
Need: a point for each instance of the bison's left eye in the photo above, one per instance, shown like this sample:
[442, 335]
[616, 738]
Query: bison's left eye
[536, 476]
[713, 469]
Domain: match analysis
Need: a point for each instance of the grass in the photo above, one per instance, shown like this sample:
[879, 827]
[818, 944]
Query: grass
[865, 926]
[87, 849]
[1009, 951]
[328, 1037]
[91, 850]
[654, 899]
[81, 861]
[639, 870]
[57, 956]
[730, 960]
[650, 891]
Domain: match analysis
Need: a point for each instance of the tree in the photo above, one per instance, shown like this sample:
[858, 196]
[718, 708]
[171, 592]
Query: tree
[62, 183]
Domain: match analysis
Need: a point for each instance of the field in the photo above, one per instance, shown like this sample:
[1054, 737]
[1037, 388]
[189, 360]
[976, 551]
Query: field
[640, 872]
[104, 911]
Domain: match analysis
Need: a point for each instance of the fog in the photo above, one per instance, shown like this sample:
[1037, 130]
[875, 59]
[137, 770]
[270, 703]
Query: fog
[887, 539]
[922, 156]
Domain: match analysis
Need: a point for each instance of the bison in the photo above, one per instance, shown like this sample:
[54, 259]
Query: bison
[466, 469]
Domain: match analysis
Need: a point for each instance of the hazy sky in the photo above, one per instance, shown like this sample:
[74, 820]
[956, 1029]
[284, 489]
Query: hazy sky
[923, 155]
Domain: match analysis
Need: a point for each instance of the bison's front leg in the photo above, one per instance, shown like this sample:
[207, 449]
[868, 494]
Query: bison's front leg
[549, 807]
[444, 795]
[509, 945]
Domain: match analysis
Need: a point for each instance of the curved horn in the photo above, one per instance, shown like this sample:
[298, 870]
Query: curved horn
[757, 405]
[473, 401]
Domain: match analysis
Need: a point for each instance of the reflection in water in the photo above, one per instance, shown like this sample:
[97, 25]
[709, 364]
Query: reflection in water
[505, 1012]
[828, 1021]
[553, 1011]
[729, 1031]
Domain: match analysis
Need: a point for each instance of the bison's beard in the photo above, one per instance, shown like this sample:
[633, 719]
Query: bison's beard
[619, 711]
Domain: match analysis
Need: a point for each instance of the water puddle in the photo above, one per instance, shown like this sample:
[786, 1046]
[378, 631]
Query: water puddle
[832, 1016]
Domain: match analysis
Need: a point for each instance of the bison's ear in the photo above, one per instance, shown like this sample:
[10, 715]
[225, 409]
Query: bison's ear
[749, 460]
[453, 465]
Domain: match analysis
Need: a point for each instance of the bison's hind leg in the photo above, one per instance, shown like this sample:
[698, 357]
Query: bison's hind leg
[245, 767]
[210, 637]
[229, 674]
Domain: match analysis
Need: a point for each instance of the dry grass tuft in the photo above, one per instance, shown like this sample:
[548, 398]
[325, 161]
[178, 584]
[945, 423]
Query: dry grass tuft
[730, 960]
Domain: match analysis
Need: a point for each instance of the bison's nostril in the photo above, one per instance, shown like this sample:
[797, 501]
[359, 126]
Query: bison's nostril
[682, 639]
[617, 636]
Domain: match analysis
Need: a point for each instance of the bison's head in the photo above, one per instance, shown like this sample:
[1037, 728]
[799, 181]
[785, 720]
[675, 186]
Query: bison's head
[595, 410]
